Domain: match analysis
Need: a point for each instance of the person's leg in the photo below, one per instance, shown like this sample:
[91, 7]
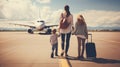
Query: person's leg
[67, 43]
[52, 54]
[63, 40]
[83, 47]
[79, 46]
[62, 44]
[56, 51]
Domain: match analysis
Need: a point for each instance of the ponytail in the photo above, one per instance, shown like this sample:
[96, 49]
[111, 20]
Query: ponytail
[67, 10]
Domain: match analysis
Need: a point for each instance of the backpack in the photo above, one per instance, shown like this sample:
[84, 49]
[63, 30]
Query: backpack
[63, 23]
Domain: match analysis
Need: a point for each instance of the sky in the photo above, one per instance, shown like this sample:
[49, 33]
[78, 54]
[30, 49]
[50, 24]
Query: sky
[104, 13]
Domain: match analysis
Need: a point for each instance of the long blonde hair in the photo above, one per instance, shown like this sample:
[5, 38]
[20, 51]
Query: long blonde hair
[81, 19]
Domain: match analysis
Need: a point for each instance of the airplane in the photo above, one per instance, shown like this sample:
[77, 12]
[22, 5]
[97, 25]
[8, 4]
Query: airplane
[37, 25]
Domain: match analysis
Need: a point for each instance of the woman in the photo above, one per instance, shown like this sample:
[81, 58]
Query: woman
[81, 34]
[66, 32]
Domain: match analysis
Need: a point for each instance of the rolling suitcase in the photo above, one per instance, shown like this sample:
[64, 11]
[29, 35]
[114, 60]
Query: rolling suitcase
[90, 49]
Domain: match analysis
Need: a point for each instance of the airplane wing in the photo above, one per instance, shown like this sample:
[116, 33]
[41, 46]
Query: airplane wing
[25, 25]
[48, 26]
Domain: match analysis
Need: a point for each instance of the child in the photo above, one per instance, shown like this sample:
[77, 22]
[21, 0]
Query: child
[81, 33]
[54, 43]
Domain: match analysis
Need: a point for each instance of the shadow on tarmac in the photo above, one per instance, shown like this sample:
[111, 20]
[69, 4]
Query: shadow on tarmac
[44, 33]
[61, 57]
[96, 60]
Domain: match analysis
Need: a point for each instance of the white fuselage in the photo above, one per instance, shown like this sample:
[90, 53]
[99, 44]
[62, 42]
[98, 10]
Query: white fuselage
[40, 25]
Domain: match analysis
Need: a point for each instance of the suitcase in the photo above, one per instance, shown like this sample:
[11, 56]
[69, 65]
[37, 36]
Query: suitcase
[90, 49]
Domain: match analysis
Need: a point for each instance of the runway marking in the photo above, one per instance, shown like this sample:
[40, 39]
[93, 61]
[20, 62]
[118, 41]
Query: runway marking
[62, 61]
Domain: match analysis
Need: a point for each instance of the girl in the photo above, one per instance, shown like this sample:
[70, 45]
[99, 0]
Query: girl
[81, 34]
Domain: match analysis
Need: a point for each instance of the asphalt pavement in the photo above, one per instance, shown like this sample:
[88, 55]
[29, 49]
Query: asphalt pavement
[20, 49]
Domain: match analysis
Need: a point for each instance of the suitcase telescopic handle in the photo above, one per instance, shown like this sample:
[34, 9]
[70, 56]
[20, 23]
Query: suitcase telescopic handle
[88, 37]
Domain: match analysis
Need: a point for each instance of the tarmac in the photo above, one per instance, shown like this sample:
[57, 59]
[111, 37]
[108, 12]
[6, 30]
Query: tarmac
[20, 49]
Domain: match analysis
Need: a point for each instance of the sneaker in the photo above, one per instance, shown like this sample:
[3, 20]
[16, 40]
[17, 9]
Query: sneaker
[56, 54]
[52, 55]
[78, 57]
[62, 53]
[81, 57]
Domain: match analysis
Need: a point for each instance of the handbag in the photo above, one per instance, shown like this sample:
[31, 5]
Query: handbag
[64, 23]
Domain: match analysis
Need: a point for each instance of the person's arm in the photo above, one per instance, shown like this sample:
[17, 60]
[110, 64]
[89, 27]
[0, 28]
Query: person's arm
[71, 20]
[72, 25]
[75, 28]
[61, 18]
[58, 35]
[86, 31]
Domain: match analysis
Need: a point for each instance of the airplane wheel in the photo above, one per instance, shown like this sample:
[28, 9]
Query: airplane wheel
[30, 31]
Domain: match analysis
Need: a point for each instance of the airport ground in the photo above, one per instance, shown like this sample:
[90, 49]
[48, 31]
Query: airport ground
[20, 49]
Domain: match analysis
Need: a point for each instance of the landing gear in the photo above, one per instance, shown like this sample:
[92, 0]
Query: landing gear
[30, 31]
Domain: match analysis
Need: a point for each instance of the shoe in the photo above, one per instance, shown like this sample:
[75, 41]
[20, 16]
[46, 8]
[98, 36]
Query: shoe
[82, 57]
[78, 57]
[62, 53]
[52, 55]
[66, 55]
[56, 54]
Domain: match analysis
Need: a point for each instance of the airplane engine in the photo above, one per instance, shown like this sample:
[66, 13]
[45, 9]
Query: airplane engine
[48, 31]
[30, 31]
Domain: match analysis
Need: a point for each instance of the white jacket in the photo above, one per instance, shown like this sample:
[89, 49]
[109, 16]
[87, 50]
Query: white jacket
[70, 20]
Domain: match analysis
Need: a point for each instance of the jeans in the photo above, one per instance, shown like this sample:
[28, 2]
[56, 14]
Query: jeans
[55, 47]
[68, 35]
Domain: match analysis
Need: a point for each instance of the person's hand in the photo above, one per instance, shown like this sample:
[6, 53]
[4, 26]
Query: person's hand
[59, 34]
[72, 28]
[58, 30]
[73, 33]
[87, 37]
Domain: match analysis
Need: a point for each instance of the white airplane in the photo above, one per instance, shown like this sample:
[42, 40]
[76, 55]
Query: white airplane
[37, 25]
